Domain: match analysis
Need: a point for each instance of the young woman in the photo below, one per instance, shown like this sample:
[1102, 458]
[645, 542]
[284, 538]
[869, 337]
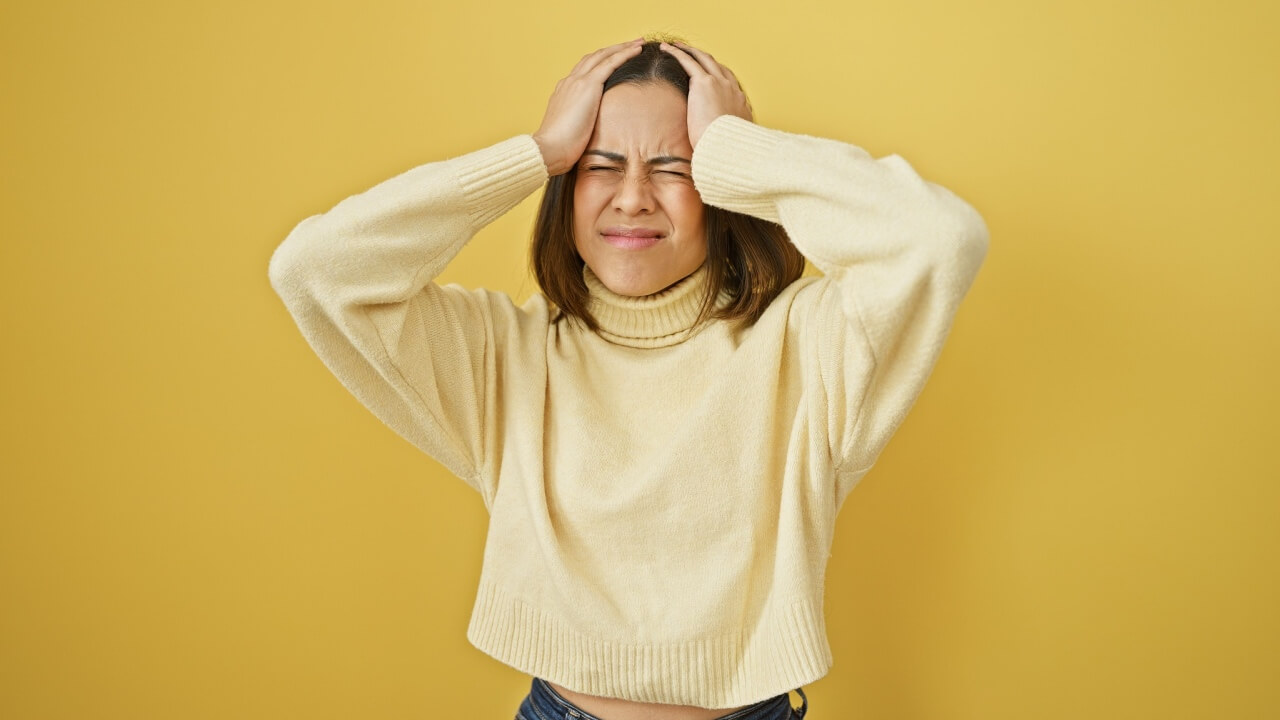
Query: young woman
[663, 436]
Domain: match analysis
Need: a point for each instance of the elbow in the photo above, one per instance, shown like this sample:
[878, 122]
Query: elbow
[280, 267]
[966, 233]
[283, 271]
[280, 272]
[973, 237]
[958, 241]
[969, 250]
[286, 270]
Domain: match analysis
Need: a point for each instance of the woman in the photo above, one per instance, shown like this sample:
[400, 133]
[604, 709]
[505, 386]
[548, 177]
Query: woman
[663, 437]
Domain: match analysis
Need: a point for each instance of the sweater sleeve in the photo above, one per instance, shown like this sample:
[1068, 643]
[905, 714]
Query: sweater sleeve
[898, 255]
[358, 281]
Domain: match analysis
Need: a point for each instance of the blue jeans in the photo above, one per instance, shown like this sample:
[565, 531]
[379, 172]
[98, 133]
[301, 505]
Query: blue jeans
[544, 703]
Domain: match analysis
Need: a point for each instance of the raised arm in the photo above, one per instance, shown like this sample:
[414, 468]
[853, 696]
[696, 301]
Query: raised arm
[358, 281]
[899, 253]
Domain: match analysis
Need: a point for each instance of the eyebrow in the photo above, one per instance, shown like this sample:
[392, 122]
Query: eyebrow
[619, 157]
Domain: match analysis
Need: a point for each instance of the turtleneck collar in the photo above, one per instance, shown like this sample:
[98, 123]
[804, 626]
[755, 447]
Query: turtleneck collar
[650, 321]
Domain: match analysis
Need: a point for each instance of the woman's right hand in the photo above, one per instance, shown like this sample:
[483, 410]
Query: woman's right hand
[571, 112]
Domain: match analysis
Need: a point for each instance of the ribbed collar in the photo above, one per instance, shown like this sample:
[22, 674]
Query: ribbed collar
[650, 321]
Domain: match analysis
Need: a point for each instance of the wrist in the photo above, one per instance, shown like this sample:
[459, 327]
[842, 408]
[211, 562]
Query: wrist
[555, 166]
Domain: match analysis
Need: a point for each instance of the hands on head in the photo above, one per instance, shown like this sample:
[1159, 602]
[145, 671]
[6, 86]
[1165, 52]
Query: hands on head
[713, 89]
[572, 109]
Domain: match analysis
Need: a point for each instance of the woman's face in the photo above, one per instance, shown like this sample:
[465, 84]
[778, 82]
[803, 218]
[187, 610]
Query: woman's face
[637, 218]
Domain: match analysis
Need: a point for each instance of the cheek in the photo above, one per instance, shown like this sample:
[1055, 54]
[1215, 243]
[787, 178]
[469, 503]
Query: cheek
[586, 200]
[581, 208]
[686, 204]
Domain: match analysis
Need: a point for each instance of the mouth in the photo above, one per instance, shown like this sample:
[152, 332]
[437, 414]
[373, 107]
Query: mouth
[631, 238]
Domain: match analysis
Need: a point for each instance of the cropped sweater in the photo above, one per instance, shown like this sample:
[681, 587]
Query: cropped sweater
[661, 496]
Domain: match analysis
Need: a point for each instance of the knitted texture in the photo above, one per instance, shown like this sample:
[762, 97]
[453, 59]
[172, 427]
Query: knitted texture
[662, 497]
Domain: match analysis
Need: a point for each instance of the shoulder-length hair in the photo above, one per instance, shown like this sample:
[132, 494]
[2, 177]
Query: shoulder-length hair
[749, 259]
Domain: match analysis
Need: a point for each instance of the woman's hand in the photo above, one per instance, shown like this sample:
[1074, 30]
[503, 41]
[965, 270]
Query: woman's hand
[713, 89]
[571, 111]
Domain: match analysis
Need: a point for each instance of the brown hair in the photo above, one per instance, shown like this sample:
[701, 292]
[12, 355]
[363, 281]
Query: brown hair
[750, 259]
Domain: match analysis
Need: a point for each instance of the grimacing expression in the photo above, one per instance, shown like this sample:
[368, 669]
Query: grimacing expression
[638, 221]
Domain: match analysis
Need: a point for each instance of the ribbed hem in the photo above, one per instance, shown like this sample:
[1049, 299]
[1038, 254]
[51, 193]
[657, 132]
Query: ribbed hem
[785, 650]
[496, 178]
[726, 165]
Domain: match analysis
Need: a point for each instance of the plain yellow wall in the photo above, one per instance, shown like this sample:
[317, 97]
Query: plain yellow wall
[1080, 518]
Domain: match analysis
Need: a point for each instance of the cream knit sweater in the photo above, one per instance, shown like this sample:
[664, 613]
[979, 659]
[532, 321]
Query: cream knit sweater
[661, 497]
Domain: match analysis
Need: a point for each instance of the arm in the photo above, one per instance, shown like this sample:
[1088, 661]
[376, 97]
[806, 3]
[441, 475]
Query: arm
[358, 281]
[898, 252]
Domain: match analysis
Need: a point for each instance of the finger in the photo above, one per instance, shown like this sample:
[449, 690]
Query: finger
[585, 59]
[609, 49]
[615, 60]
[729, 74]
[686, 61]
[591, 61]
[705, 59]
[606, 57]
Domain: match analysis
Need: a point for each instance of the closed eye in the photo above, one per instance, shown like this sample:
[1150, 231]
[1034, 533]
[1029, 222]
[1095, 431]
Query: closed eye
[673, 172]
[600, 167]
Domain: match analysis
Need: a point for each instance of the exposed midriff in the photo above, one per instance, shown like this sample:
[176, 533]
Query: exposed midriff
[617, 709]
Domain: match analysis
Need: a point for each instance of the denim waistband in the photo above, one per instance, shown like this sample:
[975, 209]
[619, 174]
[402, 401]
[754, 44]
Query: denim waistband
[544, 703]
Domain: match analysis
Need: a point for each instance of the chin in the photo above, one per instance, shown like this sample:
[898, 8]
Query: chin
[632, 286]
[640, 281]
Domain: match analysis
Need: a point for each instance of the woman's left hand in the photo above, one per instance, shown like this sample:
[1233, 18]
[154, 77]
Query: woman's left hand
[713, 89]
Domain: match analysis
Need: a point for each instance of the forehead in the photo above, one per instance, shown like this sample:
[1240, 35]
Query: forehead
[641, 118]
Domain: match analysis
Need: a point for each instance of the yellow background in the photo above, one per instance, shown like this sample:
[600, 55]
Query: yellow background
[1078, 520]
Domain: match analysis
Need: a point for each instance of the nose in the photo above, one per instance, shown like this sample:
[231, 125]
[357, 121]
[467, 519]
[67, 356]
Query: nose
[634, 195]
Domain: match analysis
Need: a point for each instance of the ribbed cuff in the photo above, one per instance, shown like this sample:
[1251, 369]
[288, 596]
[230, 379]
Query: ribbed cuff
[726, 165]
[496, 178]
